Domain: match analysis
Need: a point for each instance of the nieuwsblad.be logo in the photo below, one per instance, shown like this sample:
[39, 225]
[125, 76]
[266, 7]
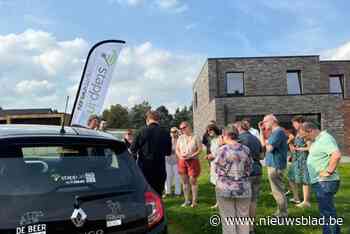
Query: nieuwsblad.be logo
[110, 59]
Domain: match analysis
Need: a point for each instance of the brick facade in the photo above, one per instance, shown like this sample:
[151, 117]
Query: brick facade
[265, 91]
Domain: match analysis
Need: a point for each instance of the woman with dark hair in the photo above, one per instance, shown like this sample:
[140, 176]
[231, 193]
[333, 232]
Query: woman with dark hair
[213, 133]
[233, 187]
[298, 172]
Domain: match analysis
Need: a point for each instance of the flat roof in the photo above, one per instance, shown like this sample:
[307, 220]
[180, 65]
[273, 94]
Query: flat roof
[265, 57]
[334, 61]
[6, 112]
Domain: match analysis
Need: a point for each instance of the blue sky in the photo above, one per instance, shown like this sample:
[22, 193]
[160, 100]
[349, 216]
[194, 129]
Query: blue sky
[43, 43]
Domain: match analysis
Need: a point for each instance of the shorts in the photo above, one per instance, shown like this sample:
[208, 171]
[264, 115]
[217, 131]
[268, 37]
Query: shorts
[190, 167]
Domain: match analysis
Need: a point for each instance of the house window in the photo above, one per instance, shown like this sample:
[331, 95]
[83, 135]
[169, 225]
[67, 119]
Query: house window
[195, 104]
[234, 83]
[336, 84]
[294, 82]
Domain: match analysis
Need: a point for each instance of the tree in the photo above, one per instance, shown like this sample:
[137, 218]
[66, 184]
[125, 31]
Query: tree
[137, 114]
[117, 116]
[184, 114]
[165, 118]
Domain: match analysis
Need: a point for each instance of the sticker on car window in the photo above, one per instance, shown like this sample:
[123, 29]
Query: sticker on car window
[32, 229]
[86, 178]
[31, 217]
[115, 218]
[113, 221]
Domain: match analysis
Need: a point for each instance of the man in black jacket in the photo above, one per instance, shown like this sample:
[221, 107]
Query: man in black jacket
[152, 145]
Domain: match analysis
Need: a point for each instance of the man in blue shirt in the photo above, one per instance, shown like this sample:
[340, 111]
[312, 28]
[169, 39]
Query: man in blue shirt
[276, 160]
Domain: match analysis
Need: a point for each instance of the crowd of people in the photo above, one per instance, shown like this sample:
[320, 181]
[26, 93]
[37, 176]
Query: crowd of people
[234, 154]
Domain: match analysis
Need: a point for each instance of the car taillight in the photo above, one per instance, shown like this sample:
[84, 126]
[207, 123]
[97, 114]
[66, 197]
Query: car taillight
[155, 208]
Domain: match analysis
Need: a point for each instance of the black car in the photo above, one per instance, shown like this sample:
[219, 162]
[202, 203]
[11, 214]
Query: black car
[77, 182]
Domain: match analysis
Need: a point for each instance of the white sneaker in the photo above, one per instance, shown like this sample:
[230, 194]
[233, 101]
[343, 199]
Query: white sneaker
[303, 205]
[292, 200]
[186, 203]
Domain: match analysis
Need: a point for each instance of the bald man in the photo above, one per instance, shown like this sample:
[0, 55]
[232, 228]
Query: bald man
[276, 160]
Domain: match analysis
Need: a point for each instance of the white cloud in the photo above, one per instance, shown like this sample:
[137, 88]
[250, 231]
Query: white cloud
[30, 87]
[172, 5]
[340, 53]
[156, 75]
[38, 70]
[132, 3]
[134, 99]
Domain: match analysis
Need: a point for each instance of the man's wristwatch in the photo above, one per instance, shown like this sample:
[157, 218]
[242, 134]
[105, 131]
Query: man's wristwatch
[330, 173]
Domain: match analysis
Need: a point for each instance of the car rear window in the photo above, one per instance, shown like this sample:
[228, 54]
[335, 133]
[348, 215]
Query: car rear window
[61, 168]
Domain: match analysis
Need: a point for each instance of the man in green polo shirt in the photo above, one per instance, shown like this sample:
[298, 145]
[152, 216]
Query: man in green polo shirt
[324, 156]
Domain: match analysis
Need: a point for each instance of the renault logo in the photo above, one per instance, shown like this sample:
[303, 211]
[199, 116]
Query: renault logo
[78, 217]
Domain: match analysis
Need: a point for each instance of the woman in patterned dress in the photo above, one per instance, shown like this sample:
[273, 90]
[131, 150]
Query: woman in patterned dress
[298, 173]
[233, 188]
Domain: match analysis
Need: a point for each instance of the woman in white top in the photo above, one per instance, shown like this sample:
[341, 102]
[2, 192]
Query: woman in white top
[171, 166]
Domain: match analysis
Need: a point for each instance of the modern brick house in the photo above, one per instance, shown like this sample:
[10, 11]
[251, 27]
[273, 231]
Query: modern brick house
[228, 89]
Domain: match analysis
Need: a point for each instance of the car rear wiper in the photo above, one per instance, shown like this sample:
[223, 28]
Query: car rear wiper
[80, 199]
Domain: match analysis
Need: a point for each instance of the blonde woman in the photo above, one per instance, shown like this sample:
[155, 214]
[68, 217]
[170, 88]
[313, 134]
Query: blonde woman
[188, 148]
[171, 167]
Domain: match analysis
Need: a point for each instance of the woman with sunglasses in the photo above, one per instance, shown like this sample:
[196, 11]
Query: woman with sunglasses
[171, 167]
[188, 148]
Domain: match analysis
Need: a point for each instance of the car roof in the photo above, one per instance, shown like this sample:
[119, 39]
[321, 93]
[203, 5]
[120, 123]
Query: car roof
[21, 130]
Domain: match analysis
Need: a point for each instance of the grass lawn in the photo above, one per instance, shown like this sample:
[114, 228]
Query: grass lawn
[192, 221]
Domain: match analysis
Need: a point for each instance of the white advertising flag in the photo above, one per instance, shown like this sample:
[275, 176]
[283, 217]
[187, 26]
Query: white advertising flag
[97, 75]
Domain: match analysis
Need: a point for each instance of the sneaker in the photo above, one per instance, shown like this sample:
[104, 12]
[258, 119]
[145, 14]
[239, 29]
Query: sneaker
[166, 195]
[287, 193]
[214, 206]
[303, 205]
[292, 200]
[186, 203]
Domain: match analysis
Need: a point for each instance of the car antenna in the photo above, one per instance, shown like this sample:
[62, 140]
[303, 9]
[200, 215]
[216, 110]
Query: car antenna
[64, 117]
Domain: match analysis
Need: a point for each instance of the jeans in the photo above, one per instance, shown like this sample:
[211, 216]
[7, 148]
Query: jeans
[325, 191]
